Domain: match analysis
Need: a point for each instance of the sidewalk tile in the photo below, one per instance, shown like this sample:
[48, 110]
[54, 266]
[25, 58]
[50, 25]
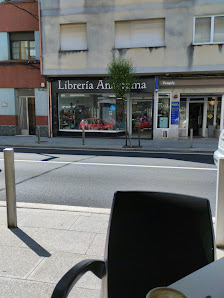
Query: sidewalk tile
[61, 240]
[84, 293]
[21, 214]
[97, 247]
[97, 223]
[50, 219]
[17, 262]
[10, 237]
[15, 288]
[219, 253]
[52, 269]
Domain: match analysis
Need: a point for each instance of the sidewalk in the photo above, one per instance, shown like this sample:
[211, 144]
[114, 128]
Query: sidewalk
[203, 145]
[46, 244]
[50, 240]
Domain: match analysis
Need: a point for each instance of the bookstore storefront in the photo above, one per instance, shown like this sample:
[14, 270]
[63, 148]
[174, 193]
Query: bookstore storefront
[90, 103]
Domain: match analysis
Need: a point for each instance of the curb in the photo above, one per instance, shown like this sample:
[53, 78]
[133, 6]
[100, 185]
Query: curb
[65, 208]
[59, 207]
[131, 149]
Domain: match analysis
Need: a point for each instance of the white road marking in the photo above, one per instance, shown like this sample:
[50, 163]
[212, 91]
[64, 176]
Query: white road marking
[115, 165]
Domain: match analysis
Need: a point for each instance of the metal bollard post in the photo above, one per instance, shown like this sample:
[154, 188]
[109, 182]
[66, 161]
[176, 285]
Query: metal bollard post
[10, 187]
[139, 135]
[38, 134]
[219, 224]
[83, 136]
[191, 137]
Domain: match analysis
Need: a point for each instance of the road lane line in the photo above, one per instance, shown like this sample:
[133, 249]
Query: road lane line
[145, 166]
[115, 165]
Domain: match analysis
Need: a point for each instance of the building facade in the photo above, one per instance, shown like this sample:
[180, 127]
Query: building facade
[176, 48]
[23, 91]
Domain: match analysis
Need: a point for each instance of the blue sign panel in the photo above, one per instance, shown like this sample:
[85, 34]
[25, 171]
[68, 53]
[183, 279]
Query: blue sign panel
[112, 107]
[175, 107]
[156, 84]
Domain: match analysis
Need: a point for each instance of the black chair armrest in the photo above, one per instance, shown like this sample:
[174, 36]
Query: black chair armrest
[70, 278]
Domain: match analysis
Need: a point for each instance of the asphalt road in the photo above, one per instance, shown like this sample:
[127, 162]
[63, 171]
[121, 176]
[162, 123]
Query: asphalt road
[88, 178]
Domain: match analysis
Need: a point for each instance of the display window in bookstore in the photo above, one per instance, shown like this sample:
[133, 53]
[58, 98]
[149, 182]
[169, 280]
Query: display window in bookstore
[102, 112]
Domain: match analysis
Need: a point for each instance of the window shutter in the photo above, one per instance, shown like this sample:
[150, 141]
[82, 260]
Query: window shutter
[73, 37]
[140, 33]
[148, 33]
[21, 36]
[219, 29]
[122, 35]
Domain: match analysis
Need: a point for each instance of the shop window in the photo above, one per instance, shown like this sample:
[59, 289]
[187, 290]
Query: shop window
[163, 110]
[99, 112]
[140, 33]
[182, 114]
[73, 37]
[22, 46]
[142, 115]
[210, 111]
[209, 30]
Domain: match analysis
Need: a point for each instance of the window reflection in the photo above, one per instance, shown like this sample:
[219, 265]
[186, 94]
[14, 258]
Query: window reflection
[218, 114]
[210, 111]
[163, 110]
[91, 111]
[182, 114]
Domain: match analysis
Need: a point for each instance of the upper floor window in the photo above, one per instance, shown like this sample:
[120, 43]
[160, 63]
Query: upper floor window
[22, 45]
[208, 30]
[73, 37]
[140, 33]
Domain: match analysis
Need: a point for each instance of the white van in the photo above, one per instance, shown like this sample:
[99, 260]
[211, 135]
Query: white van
[220, 152]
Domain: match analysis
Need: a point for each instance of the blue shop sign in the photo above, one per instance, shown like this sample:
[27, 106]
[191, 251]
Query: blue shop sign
[112, 107]
[175, 107]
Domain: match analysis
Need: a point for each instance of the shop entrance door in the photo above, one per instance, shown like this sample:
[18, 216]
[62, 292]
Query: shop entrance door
[142, 117]
[196, 118]
[31, 116]
[26, 115]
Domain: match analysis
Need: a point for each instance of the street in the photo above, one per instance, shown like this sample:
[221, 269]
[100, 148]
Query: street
[88, 178]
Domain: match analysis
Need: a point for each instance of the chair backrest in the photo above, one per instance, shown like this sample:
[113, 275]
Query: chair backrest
[155, 239]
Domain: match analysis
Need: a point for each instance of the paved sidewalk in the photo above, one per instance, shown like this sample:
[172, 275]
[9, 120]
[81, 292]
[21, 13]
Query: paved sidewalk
[45, 245]
[206, 145]
[49, 240]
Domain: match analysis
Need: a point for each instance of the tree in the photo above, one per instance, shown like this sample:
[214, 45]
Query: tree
[121, 77]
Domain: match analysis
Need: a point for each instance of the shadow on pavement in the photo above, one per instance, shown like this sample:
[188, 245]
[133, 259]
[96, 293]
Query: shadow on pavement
[37, 248]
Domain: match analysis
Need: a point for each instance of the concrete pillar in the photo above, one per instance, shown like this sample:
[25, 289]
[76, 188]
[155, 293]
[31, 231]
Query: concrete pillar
[219, 225]
[10, 187]
[222, 114]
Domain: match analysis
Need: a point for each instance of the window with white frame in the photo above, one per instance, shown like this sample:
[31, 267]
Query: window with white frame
[22, 45]
[140, 33]
[209, 30]
[73, 37]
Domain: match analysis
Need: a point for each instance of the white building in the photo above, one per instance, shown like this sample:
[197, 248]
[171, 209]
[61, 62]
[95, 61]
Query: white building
[175, 46]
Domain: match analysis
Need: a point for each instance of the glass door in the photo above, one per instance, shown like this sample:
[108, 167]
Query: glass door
[26, 115]
[196, 118]
[142, 117]
[31, 116]
[23, 121]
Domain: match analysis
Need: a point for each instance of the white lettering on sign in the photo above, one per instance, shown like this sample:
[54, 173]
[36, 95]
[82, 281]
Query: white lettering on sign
[170, 83]
[101, 85]
[69, 86]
